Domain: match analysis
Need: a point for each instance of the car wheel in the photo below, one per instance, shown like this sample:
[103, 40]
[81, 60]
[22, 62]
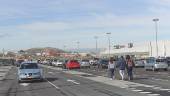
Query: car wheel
[19, 81]
[41, 80]
[165, 69]
[153, 69]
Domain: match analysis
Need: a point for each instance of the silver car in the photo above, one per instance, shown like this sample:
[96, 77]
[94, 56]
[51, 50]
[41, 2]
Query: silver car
[29, 71]
[139, 63]
[156, 64]
[85, 63]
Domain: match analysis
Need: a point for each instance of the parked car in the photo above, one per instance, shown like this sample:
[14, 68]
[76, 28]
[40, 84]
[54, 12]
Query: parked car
[64, 64]
[19, 61]
[29, 71]
[139, 63]
[47, 62]
[85, 64]
[103, 63]
[168, 60]
[72, 64]
[6, 62]
[156, 64]
[54, 62]
[58, 63]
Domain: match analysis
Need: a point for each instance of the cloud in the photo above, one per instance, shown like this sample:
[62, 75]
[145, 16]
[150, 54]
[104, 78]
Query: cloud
[93, 22]
[4, 35]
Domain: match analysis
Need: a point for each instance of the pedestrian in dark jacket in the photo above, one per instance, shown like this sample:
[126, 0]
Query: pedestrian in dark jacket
[130, 65]
[122, 66]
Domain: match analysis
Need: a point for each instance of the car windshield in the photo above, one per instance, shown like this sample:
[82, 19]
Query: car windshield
[29, 66]
[104, 61]
[85, 60]
[20, 61]
[55, 60]
[160, 60]
[150, 61]
[60, 60]
[73, 61]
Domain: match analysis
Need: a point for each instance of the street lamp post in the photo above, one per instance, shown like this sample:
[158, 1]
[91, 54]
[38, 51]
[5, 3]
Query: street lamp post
[109, 33]
[156, 31]
[64, 47]
[78, 45]
[96, 38]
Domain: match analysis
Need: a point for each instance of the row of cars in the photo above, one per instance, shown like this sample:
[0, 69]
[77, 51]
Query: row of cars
[69, 64]
[153, 63]
[150, 63]
[85, 63]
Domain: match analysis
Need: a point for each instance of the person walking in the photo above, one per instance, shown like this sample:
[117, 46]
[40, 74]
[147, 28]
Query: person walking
[130, 65]
[111, 68]
[122, 66]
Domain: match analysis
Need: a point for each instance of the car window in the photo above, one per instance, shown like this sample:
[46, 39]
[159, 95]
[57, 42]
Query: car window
[150, 61]
[104, 61]
[85, 60]
[160, 60]
[29, 66]
[73, 61]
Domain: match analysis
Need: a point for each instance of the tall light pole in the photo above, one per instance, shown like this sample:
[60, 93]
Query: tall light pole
[96, 38]
[156, 32]
[3, 52]
[78, 45]
[109, 33]
[64, 47]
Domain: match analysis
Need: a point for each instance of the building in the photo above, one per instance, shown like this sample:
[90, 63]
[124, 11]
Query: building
[145, 49]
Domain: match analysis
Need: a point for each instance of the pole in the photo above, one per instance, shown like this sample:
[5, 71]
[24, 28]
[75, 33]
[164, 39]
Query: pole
[109, 42]
[3, 51]
[151, 48]
[164, 49]
[96, 45]
[156, 37]
[78, 45]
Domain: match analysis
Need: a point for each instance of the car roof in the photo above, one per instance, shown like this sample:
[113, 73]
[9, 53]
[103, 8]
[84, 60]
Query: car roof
[29, 62]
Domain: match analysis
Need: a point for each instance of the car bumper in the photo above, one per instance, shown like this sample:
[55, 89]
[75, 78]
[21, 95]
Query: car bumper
[161, 67]
[31, 78]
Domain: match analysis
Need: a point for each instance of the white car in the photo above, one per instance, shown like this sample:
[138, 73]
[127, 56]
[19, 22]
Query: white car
[58, 63]
[156, 64]
[85, 63]
[139, 63]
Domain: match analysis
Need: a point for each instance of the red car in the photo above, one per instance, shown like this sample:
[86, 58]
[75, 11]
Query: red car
[72, 64]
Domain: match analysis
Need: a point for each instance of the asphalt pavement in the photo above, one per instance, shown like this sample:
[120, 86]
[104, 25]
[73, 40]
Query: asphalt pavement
[87, 82]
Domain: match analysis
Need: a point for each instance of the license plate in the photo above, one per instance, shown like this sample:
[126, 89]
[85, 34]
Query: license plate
[29, 77]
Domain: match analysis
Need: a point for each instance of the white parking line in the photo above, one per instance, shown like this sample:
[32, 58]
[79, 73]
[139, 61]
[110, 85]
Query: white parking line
[145, 92]
[153, 94]
[24, 84]
[52, 84]
[73, 81]
[157, 88]
[137, 90]
[165, 89]
[50, 72]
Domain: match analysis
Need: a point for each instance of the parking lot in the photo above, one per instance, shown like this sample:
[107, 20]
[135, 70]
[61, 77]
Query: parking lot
[94, 81]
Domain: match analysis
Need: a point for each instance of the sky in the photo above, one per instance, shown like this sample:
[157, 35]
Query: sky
[57, 23]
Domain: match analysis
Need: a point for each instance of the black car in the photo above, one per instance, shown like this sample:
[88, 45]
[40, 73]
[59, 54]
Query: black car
[103, 63]
[168, 60]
